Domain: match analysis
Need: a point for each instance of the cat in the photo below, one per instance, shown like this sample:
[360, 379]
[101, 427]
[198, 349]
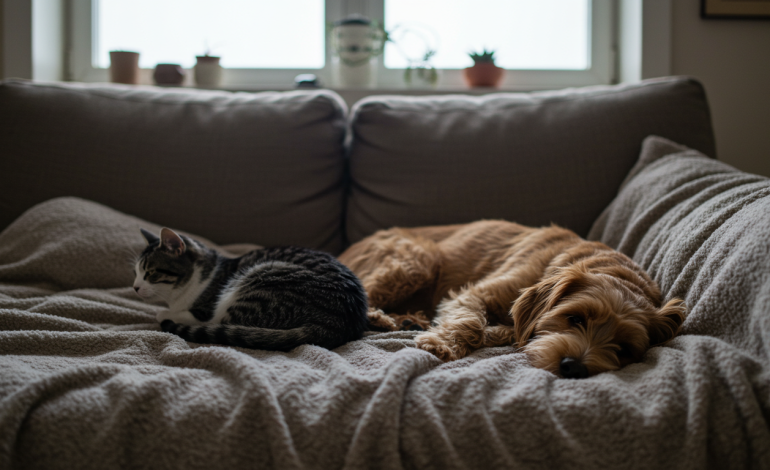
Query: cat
[269, 298]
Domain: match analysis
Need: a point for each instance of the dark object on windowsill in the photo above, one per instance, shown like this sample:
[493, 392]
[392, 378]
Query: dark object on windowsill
[168, 74]
[306, 80]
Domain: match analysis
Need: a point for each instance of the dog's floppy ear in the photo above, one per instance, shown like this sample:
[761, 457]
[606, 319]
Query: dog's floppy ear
[665, 323]
[526, 309]
[540, 298]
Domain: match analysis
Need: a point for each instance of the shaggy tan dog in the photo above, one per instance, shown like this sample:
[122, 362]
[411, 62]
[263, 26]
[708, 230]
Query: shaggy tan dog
[576, 308]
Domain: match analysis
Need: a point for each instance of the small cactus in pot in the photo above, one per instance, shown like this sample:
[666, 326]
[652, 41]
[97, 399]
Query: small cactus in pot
[484, 72]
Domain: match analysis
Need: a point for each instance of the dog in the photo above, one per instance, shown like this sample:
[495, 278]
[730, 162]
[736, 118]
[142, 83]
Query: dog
[575, 308]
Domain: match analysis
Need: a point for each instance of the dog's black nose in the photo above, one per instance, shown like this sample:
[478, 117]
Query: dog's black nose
[572, 369]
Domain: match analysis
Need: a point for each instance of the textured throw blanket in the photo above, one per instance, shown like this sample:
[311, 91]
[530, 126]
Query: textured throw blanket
[88, 381]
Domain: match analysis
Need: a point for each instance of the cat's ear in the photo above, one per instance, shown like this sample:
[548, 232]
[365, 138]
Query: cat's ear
[149, 236]
[171, 242]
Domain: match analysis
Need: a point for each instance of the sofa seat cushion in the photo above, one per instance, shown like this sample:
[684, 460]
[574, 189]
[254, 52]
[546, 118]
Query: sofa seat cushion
[531, 158]
[265, 168]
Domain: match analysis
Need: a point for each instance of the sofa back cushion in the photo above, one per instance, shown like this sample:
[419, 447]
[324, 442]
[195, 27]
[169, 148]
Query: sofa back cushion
[533, 158]
[265, 168]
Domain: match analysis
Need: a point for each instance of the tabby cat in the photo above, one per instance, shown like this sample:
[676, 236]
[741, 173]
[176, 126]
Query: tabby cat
[270, 298]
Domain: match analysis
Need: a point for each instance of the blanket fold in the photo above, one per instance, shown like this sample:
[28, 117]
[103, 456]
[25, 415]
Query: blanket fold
[87, 380]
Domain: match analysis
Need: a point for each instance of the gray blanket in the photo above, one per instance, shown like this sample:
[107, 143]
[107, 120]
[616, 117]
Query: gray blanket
[87, 380]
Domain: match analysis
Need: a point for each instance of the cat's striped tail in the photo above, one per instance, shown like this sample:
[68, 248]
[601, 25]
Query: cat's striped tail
[253, 337]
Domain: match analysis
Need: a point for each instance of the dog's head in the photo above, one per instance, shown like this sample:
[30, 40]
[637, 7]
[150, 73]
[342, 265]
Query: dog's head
[577, 323]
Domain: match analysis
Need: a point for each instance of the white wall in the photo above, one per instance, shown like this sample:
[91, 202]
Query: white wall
[732, 60]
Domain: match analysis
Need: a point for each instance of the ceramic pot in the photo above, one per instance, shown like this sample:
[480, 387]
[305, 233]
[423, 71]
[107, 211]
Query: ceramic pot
[168, 74]
[207, 71]
[124, 67]
[483, 74]
[356, 43]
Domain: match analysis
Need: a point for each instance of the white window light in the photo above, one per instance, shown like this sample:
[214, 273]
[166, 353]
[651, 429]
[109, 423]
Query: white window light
[526, 34]
[265, 44]
[246, 33]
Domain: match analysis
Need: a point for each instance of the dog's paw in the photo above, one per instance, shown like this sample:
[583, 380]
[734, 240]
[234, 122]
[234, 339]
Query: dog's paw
[433, 344]
[409, 325]
[411, 322]
[379, 321]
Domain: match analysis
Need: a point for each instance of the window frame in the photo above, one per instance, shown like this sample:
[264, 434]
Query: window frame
[82, 19]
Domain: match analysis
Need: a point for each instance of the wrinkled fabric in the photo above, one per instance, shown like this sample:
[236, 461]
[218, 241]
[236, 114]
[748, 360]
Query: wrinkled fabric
[88, 381]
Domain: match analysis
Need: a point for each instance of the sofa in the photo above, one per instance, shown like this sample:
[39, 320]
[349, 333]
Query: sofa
[89, 381]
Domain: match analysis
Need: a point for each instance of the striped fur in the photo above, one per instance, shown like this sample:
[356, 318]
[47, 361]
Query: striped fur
[271, 298]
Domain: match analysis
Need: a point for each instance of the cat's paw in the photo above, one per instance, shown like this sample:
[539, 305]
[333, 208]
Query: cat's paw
[184, 317]
[162, 316]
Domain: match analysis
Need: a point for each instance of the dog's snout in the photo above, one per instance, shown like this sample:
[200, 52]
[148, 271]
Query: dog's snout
[571, 368]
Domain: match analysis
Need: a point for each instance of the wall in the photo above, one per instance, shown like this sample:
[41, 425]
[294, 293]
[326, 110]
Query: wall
[17, 38]
[732, 60]
[32, 39]
[2, 34]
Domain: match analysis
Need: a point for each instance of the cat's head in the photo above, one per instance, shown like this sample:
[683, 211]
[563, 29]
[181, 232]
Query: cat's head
[165, 265]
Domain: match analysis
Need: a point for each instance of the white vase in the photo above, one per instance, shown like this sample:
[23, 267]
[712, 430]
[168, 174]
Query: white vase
[208, 72]
[362, 75]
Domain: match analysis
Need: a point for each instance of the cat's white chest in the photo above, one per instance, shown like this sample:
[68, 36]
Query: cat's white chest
[185, 299]
[227, 299]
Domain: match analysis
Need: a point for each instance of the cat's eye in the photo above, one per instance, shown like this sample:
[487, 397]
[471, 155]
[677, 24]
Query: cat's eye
[167, 272]
[576, 320]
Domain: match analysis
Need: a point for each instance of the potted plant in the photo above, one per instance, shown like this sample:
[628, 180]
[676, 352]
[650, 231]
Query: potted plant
[484, 72]
[417, 45]
[421, 72]
[207, 71]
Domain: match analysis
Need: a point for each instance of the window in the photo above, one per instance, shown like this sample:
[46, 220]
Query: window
[265, 44]
[247, 34]
[528, 35]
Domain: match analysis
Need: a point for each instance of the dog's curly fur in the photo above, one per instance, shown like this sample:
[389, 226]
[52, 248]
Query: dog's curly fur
[576, 308]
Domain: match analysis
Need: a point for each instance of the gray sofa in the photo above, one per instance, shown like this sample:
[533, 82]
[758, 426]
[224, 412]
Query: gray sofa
[88, 381]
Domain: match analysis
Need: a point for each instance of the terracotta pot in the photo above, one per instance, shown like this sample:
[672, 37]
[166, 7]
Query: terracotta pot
[124, 67]
[168, 74]
[483, 74]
